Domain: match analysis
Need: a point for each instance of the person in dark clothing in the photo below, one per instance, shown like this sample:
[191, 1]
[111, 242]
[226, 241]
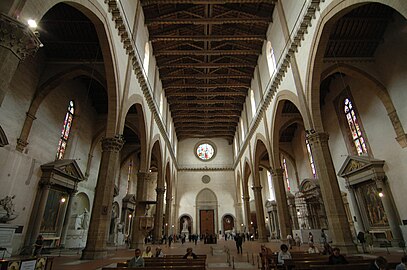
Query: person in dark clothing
[190, 254]
[38, 245]
[380, 263]
[336, 257]
[361, 238]
[169, 240]
[239, 243]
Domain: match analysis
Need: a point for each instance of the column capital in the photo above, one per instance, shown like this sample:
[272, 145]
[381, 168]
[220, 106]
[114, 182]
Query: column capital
[17, 37]
[313, 136]
[112, 144]
[277, 172]
[21, 145]
[246, 198]
[143, 175]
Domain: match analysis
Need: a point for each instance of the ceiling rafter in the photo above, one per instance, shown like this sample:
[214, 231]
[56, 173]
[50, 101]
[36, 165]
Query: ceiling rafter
[208, 21]
[222, 38]
[206, 2]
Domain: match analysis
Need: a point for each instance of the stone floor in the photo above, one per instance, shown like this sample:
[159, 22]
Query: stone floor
[217, 255]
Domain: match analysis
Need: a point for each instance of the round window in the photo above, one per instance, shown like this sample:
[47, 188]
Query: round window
[206, 179]
[205, 151]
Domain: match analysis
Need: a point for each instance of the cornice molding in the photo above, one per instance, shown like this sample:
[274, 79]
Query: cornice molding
[205, 169]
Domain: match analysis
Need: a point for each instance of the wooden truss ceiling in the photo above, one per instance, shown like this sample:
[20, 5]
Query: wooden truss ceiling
[206, 53]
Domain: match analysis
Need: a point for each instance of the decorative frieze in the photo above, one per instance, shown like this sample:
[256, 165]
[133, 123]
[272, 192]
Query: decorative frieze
[17, 37]
[206, 169]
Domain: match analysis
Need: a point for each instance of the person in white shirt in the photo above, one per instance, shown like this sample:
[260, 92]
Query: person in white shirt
[312, 249]
[147, 253]
[284, 254]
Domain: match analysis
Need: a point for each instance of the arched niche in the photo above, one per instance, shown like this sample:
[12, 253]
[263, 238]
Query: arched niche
[207, 212]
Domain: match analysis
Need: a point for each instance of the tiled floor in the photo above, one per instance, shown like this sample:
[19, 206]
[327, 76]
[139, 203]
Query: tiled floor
[217, 258]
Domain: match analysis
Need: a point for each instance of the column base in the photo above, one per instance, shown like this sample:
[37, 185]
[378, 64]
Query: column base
[93, 254]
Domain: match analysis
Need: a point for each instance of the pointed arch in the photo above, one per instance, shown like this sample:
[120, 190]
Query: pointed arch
[334, 11]
[377, 88]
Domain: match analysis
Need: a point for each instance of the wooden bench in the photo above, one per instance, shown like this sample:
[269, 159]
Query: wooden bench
[170, 261]
[349, 266]
[308, 264]
[183, 267]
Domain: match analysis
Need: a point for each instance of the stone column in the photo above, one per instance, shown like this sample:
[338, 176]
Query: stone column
[282, 206]
[39, 212]
[168, 222]
[67, 219]
[239, 217]
[261, 226]
[102, 205]
[158, 220]
[360, 224]
[246, 202]
[390, 210]
[17, 42]
[331, 194]
[137, 237]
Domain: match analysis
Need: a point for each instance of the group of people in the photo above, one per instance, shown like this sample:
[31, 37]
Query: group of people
[335, 257]
[138, 259]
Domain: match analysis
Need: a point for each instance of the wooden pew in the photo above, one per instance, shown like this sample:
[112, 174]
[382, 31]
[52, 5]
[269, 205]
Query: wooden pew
[308, 264]
[183, 267]
[172, 260]
[350, 266]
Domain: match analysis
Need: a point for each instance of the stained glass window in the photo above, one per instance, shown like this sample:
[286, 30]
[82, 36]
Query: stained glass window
[205, 151]
[311, 159]
[286, 174]
[66, 129]
[354, 128]
[129, 174]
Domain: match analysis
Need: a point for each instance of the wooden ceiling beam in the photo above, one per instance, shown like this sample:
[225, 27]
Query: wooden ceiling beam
[159, 38]
[205, 86]
[206, 77]
[207, 94]
[211, 130]
[206, 2]
[212, 101]
[208, 65]
[188, 109]
[205, 52]
[180, 116]
[208, 21]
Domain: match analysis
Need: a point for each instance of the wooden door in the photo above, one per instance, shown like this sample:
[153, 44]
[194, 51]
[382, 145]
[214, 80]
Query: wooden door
[207, 221]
